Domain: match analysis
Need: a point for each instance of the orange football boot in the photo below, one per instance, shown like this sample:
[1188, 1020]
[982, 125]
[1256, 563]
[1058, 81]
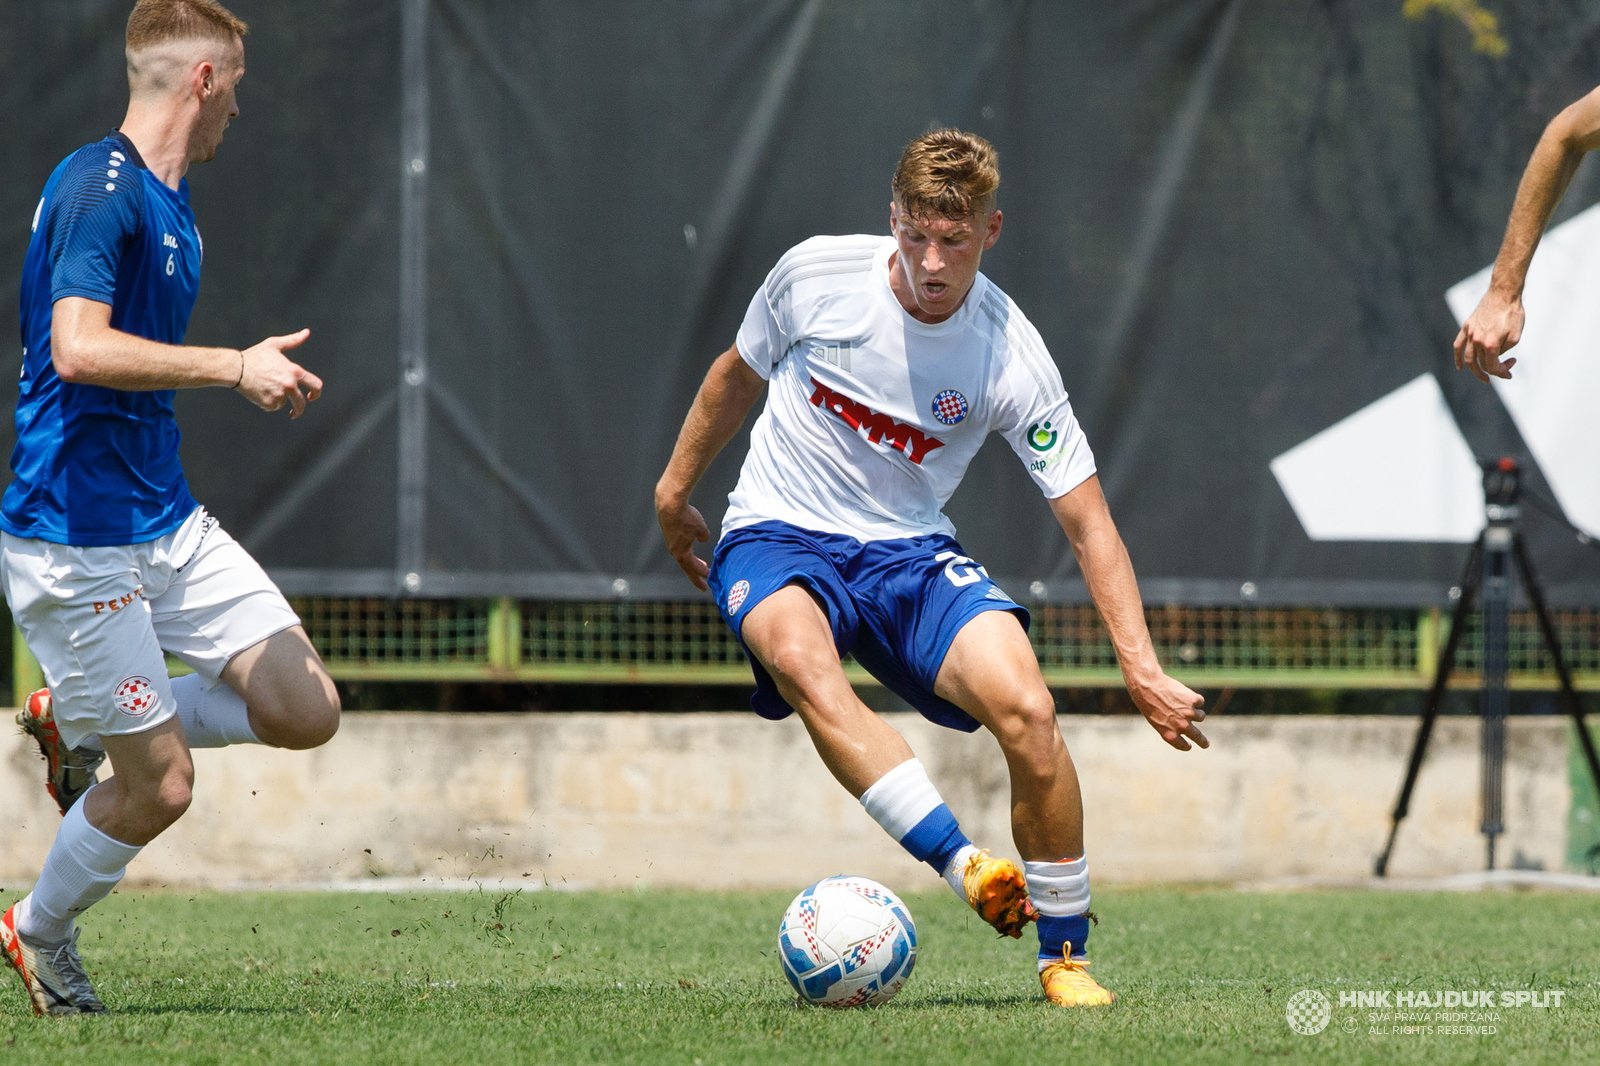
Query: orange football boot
[997, 891]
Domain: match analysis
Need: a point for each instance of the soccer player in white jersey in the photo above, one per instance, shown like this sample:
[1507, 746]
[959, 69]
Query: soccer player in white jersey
[889, 361]
[107, 560]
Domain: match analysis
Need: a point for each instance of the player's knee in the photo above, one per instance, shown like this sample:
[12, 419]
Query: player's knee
[300, 716]
[311, 718]
[796, 663]
[168, 801]
[1028, 731]
[324, 721]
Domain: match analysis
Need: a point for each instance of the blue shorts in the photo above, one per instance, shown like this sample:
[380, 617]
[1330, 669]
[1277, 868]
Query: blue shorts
[896, 604]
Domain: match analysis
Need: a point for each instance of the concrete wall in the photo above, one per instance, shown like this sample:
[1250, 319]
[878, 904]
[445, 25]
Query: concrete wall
[722, 800]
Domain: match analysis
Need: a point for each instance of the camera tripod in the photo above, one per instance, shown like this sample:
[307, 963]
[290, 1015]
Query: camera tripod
[1488, 572]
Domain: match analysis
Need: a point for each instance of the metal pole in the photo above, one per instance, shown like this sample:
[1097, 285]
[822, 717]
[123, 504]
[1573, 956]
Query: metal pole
[413, 408]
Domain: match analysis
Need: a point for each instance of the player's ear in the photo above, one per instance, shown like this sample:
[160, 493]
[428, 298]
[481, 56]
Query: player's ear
[992, 230]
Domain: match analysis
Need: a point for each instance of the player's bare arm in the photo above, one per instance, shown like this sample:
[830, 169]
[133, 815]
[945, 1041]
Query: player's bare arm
[87, 351]
[730, 389]
[1495, 327]
[1170, 707]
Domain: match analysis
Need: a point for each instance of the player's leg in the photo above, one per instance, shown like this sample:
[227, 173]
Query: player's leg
[792, 636]
[84, 619]
[257, 678]
[990, 672]
[152, 782]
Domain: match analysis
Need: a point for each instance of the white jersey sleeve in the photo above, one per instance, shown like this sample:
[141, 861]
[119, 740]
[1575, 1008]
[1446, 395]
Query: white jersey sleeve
[764, 335]
[1033, 415]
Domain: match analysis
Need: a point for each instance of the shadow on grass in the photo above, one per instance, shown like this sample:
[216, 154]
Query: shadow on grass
[997, 1001]
[152, 1012]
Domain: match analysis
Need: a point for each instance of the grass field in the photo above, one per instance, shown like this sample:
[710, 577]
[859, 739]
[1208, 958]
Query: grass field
[676, 977]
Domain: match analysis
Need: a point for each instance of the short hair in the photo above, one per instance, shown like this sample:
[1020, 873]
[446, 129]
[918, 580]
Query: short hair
[947, 173]
[159, 21]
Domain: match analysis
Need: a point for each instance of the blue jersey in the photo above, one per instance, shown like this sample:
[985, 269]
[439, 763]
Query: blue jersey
[97, 466]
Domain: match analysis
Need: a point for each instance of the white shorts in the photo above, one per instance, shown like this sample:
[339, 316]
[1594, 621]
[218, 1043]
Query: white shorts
[99, 620]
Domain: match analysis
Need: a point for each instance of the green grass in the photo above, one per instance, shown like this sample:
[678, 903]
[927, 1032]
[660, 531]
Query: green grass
[676, 977]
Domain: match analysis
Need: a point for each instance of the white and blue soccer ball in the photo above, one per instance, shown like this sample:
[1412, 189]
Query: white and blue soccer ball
[847, 942]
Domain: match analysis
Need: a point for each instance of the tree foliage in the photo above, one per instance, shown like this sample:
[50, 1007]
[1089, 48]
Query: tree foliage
[1480, 22]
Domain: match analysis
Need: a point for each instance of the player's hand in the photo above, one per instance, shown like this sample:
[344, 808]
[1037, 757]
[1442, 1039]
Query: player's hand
[271, 380]
[1493, 330]
[1172, 709]
[683, 527]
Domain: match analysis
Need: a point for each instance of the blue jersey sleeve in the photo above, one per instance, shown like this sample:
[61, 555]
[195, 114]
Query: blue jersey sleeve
[97, 210]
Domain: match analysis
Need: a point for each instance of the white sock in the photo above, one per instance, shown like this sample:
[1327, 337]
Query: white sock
[212, 717]
[83, 866]
[1061, 891]
[952, 873]
[908, 807]
[901, 798]
[1058, 889]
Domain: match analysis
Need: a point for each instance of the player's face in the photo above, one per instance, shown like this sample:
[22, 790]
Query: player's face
[219, 106]
[939, 257]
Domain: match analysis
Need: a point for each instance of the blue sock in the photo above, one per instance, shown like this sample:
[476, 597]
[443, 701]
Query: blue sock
[1055, 932]
[936, 839]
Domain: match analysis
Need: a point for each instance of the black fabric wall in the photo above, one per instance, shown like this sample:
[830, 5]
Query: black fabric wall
[1232, 220]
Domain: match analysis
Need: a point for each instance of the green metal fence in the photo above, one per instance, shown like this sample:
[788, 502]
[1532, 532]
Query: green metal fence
[686, 643]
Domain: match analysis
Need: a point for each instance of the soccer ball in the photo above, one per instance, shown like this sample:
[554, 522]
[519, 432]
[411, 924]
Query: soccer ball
[847, 942]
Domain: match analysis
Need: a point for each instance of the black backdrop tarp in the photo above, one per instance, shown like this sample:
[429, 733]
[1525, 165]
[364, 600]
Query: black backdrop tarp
[1233, 221]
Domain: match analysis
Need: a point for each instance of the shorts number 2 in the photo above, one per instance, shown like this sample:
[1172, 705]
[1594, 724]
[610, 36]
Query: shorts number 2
[960, 570]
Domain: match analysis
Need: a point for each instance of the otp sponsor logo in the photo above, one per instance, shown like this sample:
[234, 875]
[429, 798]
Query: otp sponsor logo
[135, 696]
[736, 596]
[858, 416]
[119, 602]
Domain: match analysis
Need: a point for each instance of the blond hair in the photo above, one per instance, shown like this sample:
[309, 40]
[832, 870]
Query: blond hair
[159, 21]
[948, 173]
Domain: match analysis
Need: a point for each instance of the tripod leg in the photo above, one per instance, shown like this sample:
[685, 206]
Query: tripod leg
[1430, 712]
[1552, 643]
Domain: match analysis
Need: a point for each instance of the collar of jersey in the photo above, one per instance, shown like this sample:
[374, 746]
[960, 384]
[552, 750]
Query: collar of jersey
[180, 195]
[127, 147]
[954, 324]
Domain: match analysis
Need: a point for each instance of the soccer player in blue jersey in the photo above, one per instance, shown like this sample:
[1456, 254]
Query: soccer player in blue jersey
[888, 361]
[107, 561]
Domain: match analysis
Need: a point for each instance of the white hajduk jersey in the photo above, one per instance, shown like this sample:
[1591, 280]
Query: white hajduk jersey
[872, 417]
